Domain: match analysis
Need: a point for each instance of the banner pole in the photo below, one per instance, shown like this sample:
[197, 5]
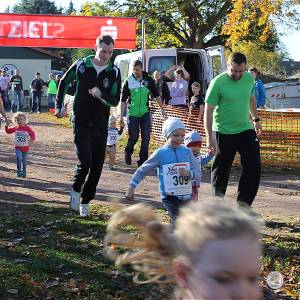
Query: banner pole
[144, 45]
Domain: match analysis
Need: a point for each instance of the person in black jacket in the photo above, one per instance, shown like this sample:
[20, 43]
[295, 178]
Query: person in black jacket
[98, 84]
[162, 87]
[37, 85]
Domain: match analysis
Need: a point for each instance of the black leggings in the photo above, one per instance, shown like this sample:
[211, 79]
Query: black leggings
[246, 143]
[90, 143]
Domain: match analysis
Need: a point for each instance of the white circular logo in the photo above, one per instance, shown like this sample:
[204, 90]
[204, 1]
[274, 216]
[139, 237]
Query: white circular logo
[9, 69]
[275, 280]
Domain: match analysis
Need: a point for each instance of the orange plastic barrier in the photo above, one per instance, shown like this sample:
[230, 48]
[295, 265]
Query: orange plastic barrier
[280, 141]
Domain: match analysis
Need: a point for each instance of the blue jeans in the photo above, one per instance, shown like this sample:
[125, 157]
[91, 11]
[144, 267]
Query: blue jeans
[5, 99]
[21, 161]
[51, 100]
[172, 204]
[17, 103]
[135, 124]
[36, 101]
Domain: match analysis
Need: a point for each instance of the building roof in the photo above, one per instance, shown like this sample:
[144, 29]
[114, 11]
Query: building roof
[27, 53]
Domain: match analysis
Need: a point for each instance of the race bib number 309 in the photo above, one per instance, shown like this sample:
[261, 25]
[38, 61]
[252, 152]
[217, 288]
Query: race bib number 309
[173, 182]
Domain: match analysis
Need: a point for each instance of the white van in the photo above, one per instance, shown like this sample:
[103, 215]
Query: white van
[202, 64]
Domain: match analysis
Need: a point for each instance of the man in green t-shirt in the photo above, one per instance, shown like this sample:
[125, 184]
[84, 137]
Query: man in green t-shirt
[230, 101]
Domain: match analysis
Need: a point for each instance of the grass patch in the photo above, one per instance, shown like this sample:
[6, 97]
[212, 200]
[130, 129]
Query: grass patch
[49, 252]
[48, 117]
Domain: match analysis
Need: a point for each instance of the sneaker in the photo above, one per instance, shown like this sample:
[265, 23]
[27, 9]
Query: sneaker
[127, 159]
[248, 210]
[111, 167]
[84, 210]
[74, 200]
[19, 174]
[23, 174]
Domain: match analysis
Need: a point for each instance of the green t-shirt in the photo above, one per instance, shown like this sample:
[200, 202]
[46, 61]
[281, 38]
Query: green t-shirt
[231, 99]
[52, 87]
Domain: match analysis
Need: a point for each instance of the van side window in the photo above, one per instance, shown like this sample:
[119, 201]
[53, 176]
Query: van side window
[124, 66]
[160, 63]
[217, 65]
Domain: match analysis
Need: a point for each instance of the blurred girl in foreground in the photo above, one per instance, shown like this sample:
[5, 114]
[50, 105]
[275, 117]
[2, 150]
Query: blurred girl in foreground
[212, 253]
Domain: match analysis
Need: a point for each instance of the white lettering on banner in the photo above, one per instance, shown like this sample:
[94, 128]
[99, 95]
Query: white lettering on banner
[173, 182]
[60, 28]
[15, 25]
[31, 29]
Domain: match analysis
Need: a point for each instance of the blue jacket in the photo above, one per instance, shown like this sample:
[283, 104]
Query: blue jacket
[260, 93]
[164, 156]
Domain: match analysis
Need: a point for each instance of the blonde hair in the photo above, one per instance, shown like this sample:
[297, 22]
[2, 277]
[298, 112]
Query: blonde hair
[197, 84]
[19, 114]
[152, 250]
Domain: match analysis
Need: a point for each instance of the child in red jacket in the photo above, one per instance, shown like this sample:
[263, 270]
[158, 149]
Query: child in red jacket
[24, 135]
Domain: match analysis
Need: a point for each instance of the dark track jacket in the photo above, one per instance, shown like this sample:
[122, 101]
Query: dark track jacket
[87, 110]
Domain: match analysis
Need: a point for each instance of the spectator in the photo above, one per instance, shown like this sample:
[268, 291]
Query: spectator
[197, 100]
[2, 113]
[58, 78]
[170, 73]
[36, 86]
[52, 90]
[4, 86]
[260, 93]
[136, 91]
[179, 89]
[162, 87]
[16, 84]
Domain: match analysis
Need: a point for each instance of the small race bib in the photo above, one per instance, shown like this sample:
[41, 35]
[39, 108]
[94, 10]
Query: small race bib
[21, 139]
[112, 137]
[173, 182]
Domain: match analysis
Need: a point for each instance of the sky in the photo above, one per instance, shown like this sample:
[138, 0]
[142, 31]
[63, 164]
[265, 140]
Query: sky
[291, 39]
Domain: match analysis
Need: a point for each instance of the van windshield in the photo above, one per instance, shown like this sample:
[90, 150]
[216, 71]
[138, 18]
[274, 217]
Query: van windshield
[160, 63]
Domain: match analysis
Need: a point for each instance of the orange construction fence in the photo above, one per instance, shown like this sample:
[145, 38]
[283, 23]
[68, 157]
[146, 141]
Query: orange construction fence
[279, 142]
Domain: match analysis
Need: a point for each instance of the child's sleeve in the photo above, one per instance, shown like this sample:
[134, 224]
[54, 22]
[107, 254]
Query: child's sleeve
[31, 133]
[9, 129]
[144, 170]
[205, 159]
[195, 167]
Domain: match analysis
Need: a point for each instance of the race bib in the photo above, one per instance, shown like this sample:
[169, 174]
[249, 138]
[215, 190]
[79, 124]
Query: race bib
[21, 139]
[173, 182]
[112, 138]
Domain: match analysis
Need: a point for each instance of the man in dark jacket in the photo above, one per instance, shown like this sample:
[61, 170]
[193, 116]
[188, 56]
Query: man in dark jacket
[36, 86]
[16, 84]
[97, 89]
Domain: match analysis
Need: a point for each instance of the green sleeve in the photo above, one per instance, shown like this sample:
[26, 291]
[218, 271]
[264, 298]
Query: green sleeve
[213, 93]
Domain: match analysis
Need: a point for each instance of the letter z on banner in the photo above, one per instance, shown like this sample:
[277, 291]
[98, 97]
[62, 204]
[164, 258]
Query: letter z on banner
[24, 30]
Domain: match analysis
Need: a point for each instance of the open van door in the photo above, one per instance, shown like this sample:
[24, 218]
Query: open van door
[216, 61]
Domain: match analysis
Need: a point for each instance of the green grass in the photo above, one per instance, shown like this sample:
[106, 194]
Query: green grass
[45, 249]
[43, 245]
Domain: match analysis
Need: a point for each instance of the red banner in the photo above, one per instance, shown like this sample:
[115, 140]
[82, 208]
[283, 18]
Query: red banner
[24, 30]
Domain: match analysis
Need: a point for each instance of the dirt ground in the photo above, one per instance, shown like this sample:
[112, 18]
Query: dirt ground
[52, 159]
